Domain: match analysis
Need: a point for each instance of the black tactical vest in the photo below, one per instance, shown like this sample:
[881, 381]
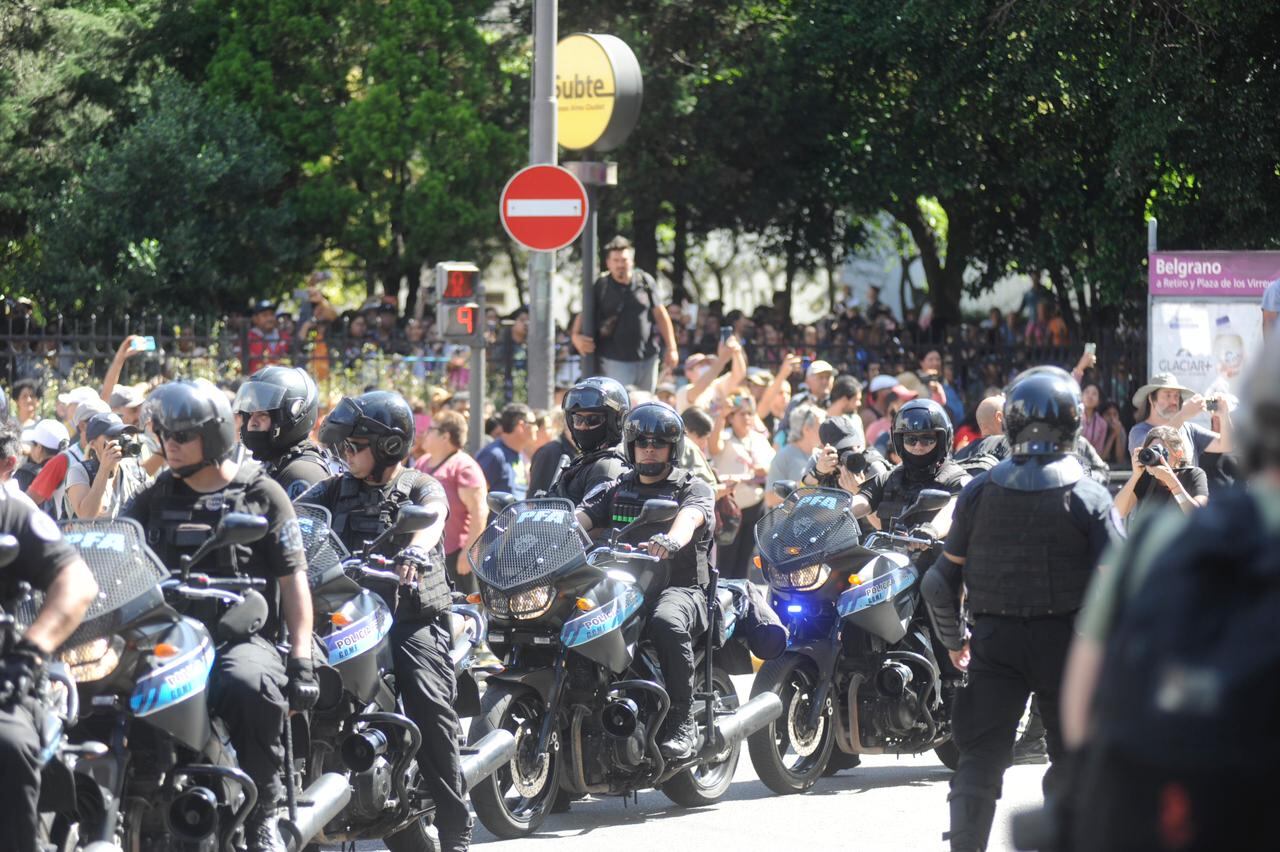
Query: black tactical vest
[602, 465]
[361, 512]
[690, 566]
[302, 455]
[178, 524]
[900, 492]
[1027, 556]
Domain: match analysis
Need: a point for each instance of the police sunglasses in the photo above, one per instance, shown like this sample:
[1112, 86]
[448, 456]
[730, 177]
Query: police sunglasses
[919, 440]
[651, 443]
[349, 447]
[179, 436]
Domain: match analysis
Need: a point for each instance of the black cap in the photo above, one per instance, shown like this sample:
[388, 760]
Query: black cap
[840, 433]
[106, 424]
[264, 305]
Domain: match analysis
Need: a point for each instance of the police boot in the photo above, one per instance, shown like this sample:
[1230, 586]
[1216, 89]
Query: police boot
[1030, 747]
[459, 842]
[679, 732]
[262, 831]
[971, 819]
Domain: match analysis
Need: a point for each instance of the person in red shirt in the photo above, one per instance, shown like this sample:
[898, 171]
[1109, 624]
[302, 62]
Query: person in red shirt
[266, 344]
[464, 485]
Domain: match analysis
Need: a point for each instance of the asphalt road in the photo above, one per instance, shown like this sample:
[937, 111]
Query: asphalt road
[886, 804]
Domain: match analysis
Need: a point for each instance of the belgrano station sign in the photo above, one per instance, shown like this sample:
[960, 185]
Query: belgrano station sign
[598, 91]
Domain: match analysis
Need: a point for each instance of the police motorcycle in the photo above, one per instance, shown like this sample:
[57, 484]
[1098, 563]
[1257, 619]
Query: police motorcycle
[155, 770]
[56, 709]
[861, 674]
[358, 728]
[581, 693]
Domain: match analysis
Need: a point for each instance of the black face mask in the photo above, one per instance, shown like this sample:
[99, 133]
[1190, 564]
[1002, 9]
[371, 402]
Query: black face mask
[258, 443]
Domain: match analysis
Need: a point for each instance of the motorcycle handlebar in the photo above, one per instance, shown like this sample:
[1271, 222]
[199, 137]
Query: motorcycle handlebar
[204, 581]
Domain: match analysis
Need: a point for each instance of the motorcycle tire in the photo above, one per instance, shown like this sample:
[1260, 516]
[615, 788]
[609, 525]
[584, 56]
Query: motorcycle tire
[793, 678]
[706, 783]
[519, 710]
[949, 754]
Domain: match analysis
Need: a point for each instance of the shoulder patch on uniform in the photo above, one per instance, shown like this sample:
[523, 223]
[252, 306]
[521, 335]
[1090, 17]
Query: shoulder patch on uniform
[601, 487]
[44, 527]
[290, 536]
[297, 488]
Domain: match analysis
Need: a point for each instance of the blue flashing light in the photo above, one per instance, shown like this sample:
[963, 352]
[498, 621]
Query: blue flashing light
[795, 608]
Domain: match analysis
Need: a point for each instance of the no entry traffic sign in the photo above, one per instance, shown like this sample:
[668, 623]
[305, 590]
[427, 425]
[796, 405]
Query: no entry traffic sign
[544, 207]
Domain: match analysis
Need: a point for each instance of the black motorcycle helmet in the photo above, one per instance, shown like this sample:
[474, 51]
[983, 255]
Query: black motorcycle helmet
[290, 396]
[923, 417]
[1043, 412]
[194, 405]
[1257, 423]
[381, 417]
[653, 420]
[597, 395]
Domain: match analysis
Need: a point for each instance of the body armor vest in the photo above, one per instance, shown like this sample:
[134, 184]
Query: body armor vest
[689, 567]
[1027, 557]
[178, 524]
[361, 512]
[305, 454]
[900, 492]
[602, 465]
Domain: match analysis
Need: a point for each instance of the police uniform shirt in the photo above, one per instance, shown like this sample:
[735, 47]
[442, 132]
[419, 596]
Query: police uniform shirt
[303, 466]
[1089, 506]
[950, 478]
[615, 506]
[277, 554]
[426, 490]
[42, 553]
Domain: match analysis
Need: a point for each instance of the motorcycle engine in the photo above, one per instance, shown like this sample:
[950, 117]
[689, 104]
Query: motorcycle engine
[890, 703]
[370, 790]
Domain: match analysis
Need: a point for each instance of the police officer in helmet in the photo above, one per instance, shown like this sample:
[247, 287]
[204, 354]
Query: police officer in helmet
[48, 564]
[278, 406]
[593, 411]
[209, 475]
[922, 437]
[1025, 539]
[373, 433]
[652, 437]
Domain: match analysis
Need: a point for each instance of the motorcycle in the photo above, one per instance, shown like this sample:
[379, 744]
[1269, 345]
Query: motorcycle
[581, 693]
[55, 709]
[358, 729]
[861, 674]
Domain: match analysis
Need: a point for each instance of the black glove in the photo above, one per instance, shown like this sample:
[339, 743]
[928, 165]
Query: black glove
[416, 556]
[304, 690]
[20, 671]
[926, 531]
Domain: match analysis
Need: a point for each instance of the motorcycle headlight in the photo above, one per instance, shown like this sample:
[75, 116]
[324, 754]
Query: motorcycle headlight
[93, 660]
[533, 603]
[496, 602]
[804, 579]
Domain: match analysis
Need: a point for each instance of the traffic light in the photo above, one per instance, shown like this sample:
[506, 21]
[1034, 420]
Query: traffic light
[459, 296]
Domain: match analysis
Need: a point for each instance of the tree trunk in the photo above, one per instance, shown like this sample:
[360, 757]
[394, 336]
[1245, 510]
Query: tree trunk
[679, 260]
[645, 239]
[946, 280]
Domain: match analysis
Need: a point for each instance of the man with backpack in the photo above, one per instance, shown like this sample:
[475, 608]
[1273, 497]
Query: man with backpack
[1170, 696]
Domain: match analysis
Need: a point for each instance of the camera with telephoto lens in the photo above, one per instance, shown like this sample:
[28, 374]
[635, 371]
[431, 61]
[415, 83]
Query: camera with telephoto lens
[130, 445]
[854, 461]
[1153, 455]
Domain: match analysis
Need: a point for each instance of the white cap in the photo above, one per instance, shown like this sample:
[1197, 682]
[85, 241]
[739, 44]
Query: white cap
[819, 366]
[49, 434]
[87, 409]
[78, 395]
[882, 382]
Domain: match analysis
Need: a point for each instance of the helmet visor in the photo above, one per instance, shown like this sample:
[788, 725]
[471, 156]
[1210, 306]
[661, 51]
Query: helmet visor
[258, 396]
[341, 422]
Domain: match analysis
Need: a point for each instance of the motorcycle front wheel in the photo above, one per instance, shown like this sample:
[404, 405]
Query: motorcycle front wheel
[788, 754]
[707, 782]
[515, 800]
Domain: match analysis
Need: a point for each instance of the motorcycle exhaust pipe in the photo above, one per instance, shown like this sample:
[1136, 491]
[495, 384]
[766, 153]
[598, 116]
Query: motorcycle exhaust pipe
[360, 751]
[481, 760]
[193, 819]
[620, 717]
[748, 718]
[317, 806]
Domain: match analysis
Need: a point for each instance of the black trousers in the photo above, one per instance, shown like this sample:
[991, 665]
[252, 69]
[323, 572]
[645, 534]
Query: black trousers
[734, 559]
[1009, 659]
[679, 617]
[247, 692]
[425, 677]
[19, 777]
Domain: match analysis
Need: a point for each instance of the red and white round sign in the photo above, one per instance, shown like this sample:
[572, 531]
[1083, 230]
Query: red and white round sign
[544, 208]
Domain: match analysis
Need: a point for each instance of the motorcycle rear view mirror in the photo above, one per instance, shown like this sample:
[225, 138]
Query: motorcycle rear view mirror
[235, 528]
[655, 512]
[412, 519]
[783, 488]
[8, 549]
[929, 500]
[499, 501]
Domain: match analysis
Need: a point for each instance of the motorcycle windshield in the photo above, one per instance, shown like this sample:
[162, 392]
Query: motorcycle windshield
[325, 552]
[530, 541]
[810, 524]
[127, 572]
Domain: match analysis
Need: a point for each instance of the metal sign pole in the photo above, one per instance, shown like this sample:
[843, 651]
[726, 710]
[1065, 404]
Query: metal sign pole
[593, 176]
[542, 149]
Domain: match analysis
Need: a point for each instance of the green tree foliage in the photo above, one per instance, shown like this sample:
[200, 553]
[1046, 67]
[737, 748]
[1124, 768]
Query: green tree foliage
[180, 213]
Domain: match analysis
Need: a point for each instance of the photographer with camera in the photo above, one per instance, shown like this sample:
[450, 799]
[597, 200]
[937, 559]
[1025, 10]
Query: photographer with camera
[1161, 475]
[109, 476]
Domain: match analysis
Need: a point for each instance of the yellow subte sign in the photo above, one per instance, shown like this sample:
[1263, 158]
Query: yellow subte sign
[598, 91]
